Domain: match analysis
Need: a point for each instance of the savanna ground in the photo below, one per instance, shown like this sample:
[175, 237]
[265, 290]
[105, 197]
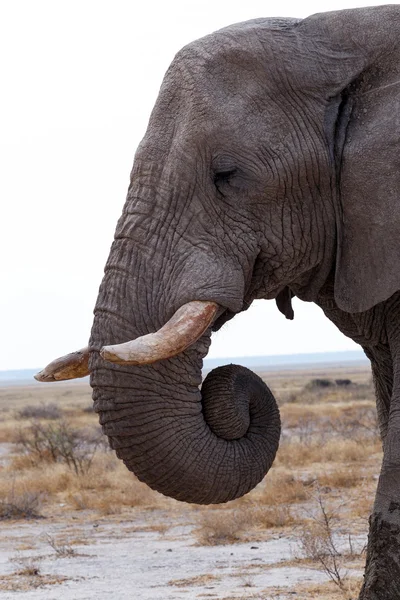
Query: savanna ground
[75, 524]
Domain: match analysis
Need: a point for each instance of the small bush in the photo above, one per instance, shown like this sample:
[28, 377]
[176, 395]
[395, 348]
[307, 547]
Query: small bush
[59, 442]
[219, 529]
[62, 549]
[283, 489]
[42, 411]
[356, 424]
[233, 526]
[320, 543]
[272, 516]
[28, 566]
[23, 505]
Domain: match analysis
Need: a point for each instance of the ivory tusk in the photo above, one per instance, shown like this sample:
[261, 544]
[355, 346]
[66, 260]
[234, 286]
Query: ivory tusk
[70, 366]
[183, 329]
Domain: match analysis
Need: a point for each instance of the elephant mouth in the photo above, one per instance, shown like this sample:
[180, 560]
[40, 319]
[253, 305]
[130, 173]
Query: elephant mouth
[223, 318]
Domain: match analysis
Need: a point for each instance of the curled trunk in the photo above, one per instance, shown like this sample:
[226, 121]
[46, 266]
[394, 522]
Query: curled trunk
[205, 446]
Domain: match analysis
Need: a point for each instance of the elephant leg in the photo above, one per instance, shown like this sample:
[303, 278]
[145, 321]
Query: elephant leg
[382, 573]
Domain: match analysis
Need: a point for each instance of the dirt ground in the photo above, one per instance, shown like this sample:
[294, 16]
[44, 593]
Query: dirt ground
[87, 529]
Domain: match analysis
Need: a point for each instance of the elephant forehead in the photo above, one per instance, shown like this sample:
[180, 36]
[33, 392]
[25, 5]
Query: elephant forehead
[223, 71]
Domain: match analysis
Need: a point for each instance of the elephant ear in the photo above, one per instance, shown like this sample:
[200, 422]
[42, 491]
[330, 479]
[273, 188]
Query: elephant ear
[360, 50]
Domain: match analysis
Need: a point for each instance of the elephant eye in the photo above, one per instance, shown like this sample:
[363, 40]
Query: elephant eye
[221, 177]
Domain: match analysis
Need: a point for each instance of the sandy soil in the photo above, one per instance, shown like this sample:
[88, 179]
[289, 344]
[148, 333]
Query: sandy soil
[124, 559]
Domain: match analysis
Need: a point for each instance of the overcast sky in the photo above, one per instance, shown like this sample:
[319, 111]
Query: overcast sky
[78, 81]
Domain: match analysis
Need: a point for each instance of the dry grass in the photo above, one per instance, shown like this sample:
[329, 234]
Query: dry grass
[327, 439]
[323, 591]
[216, 529]
[343, 477]
[107, 488]
[230, 526]
[196, 580]
[296, 454]
[282, 488]
[272, 517]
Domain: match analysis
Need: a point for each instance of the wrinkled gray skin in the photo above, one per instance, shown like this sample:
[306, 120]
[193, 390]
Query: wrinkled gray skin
[270, 167]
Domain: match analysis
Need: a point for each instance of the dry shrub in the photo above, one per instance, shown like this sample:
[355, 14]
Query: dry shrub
[357, 423]
[282, 489]
[222, 527]
[263, 517]
[233, 526]
[62, 548]
[319, 541]
[32, 570]
[59, 442]
[107, 487]
[21, 462]
[28, 566]
[21, 505]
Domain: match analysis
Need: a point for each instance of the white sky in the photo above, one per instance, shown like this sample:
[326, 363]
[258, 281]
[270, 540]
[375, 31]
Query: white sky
[78, 81]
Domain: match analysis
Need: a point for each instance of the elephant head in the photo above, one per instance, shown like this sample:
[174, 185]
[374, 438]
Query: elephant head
[257, 178]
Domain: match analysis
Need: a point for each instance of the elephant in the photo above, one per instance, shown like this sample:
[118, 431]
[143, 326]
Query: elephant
[270, 168]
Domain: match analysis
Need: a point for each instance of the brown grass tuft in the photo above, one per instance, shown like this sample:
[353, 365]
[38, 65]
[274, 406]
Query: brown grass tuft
[338, 450]
[270, 517]
[341, 478]
[282, 489]
[196, 580]
[231, 526]
[217, 527]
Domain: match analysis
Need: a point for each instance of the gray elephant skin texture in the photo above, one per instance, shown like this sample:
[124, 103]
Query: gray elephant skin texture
[270, 168]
